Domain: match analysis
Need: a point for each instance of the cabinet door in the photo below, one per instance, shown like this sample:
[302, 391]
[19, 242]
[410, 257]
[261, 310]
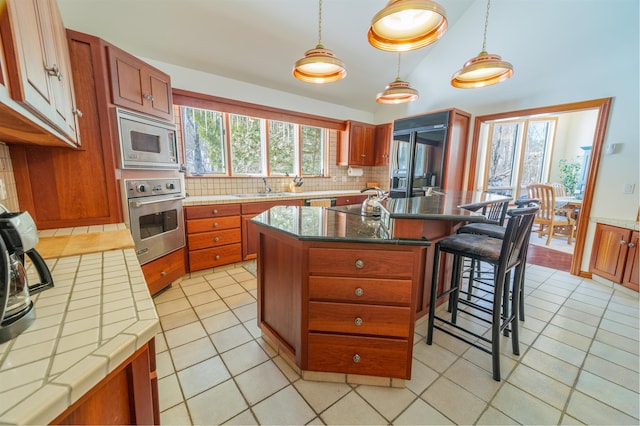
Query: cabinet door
[632, 264]
[138, 86]
[383, 144]
[355, 145]
[609, 252]
[163, 271]
[38, 62]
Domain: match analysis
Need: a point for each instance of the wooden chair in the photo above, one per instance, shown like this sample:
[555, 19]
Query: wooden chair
[558, 189]
[548, 221]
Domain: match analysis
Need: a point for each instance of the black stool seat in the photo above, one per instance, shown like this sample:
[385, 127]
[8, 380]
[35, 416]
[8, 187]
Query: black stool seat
[501, 312]
[490, 229]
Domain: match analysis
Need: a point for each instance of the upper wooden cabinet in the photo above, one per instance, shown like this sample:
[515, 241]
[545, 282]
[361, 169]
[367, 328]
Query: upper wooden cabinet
[356, 145]
[38, 71]
[384, 135]
[138, 86]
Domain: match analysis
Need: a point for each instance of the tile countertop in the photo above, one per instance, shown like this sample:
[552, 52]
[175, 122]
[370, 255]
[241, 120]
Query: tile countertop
[628, 224]
[243, 198]
[98, 314]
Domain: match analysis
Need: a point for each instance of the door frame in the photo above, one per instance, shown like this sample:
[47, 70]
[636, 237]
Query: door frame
[603, 106]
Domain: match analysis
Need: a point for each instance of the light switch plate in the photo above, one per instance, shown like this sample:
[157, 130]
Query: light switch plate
[628, 188]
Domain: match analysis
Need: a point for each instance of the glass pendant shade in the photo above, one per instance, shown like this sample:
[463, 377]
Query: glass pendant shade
[483, 70]
[405, 25]
[397, 92]
[318, 66]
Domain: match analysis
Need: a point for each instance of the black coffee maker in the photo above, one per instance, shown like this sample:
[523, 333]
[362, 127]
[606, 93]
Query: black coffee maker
[18, 237]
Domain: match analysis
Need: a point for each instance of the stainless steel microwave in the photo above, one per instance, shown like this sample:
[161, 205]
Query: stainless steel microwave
[146, 143]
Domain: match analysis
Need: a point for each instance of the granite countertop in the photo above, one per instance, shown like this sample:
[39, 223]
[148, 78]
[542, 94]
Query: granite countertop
[97, 315]
[274, 196]
[627, 224]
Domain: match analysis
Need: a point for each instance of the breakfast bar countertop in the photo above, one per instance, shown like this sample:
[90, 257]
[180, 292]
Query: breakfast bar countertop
[97, 315]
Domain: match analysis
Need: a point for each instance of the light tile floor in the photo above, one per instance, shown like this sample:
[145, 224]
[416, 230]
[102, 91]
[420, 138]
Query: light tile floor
[578, 364]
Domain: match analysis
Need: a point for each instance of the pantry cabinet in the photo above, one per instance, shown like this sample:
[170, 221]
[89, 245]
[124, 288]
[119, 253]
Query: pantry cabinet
[615, 255]
[138, 86]
[356, 145]
[38, 75]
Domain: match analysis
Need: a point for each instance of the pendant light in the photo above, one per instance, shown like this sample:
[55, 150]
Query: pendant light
[407, 25]
[319, 65]
[398, 91]
[483, 70]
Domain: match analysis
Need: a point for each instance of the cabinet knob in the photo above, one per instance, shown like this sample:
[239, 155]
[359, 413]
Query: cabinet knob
[217, 257]
[77, 112]
[215, 225]
[148, 96]
[356, 358]
[54, 71]
[163, 273]
[623, 243]
[358, 321]
[631, 245]
[363, 155]
[359, 291]
[214, 211]
[359, 264]
[216, 239]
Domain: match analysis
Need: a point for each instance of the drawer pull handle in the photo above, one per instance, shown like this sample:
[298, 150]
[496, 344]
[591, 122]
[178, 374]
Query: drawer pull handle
[359, 264]
[216, 239]
[214, 211]
[217, 257]
[359, 291]
[356, 358]
[215, 225]
[358, 321]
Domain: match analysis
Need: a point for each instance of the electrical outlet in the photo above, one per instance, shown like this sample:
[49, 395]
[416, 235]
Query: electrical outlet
[344, 179]
[334, 179]
[3, 190]
[628, 188]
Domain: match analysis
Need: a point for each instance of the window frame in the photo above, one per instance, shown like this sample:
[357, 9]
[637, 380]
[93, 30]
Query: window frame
[229, 106]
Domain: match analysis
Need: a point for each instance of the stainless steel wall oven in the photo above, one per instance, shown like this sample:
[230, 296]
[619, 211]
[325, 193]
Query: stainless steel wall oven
[154, 216]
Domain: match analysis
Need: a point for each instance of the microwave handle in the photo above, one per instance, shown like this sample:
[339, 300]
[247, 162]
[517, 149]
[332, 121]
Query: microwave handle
[146, 203]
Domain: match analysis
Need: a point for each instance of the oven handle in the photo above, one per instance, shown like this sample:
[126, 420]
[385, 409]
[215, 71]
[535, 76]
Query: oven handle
[146, 203]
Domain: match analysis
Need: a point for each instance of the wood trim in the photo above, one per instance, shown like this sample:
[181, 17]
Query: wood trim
[604, 106]
[201, 100]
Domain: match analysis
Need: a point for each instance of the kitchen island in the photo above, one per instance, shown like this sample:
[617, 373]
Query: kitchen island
[339, 292]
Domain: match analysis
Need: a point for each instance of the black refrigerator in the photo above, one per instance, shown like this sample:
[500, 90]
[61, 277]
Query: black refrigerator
[418, 154]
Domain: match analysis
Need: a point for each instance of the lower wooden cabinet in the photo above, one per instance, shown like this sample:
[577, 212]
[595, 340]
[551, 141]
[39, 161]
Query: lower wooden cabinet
[615, 255]
[251, 210]
[161, 272]
[127, 396]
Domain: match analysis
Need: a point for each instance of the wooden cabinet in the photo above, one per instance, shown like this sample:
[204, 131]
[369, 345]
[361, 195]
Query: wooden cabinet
[161, 272]
[65, 188]
[340, 307]
[38, 71]
[382, 146]
[356, 145]
[615, 255]
[213, 235]
[138, 86]
[249, 211]
[127, 396]
[350, 199]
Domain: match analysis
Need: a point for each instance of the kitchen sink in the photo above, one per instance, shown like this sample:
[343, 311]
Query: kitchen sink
[263, 195]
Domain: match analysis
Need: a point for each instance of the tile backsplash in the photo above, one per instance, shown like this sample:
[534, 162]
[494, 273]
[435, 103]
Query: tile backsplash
[8, 192]
[338, 179]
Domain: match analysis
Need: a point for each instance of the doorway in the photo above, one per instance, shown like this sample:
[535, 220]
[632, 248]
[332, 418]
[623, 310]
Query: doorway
[602, 106]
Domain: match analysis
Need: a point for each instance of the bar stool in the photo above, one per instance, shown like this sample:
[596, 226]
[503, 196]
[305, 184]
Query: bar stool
[506, 255]
[497, 231]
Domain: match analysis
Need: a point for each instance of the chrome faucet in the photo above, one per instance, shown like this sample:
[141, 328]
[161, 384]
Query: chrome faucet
[267, 188]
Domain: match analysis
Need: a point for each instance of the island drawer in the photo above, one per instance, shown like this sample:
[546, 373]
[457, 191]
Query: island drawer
[361, 262]
[360, 290]
[368, 356]
[371, 320]
[212, 239]
[202, 212]
[215, 256]
[214, 224]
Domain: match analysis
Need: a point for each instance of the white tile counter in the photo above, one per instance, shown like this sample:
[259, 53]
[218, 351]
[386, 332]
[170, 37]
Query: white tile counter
[98, 313]
[621, 223]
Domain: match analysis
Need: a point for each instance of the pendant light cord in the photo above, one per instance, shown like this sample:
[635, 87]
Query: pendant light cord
[398, 75]
[486, 24]
[319, 22]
